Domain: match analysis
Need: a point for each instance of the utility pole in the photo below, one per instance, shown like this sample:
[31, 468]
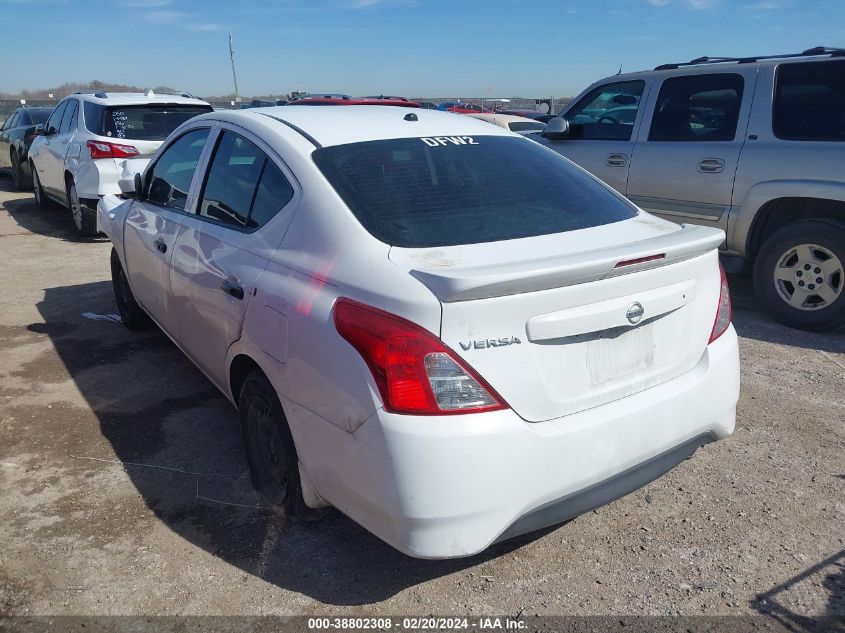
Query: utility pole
[234, 75]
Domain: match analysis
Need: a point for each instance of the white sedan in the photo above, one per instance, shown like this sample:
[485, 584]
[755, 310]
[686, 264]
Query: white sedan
[444, 330]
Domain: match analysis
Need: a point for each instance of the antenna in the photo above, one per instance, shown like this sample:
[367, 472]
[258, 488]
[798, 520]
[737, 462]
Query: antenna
[234, 75]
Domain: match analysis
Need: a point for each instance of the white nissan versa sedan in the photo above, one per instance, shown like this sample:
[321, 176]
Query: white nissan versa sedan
[446, 331]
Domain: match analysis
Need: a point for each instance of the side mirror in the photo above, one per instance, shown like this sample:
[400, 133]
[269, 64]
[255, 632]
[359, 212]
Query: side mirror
[39, 129]
[556, 129]
[130, 185]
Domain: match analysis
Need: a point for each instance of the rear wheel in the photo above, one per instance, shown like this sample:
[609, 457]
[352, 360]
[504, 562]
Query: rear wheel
[44, 203]
[799, 274]
[273, 462]
[131, 314]
[83, 217]
[20, 180]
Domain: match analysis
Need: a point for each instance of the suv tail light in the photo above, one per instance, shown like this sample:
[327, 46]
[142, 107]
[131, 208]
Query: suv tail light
[724, 312]
[414, 371]
[104, 149]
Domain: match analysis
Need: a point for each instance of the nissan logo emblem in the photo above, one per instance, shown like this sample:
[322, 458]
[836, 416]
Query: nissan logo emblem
[635, 313]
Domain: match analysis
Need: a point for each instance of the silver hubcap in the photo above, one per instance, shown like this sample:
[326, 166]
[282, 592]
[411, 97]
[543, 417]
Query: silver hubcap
[809, 277]
[75, 207]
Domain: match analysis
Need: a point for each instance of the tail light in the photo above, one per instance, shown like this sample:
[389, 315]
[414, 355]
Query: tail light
[724, 312]
[104, 149]
[414, 371]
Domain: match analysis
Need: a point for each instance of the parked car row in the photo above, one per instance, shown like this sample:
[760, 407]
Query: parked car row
[399, 301]
[77, 154]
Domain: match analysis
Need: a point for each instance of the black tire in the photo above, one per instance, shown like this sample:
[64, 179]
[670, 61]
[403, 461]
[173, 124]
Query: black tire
[131, 314]
[810, 253]
[41, 200]
[84, 218]
[273, 462]
[20, 179]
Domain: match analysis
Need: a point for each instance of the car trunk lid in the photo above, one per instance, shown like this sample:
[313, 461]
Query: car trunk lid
[561, 323]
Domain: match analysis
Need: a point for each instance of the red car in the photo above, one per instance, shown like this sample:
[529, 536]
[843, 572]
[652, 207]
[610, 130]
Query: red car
[463, 108]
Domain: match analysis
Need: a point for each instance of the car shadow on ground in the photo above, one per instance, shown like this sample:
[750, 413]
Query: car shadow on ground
[830, 573]
[751, 321]
[179, 442]
[56, 222]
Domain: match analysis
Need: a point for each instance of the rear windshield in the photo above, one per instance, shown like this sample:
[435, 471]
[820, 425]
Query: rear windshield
[141, 122]
[444, 191]
[39, 115]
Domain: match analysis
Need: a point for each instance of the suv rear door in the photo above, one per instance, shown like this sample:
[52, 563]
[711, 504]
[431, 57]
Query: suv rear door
[51, 157]
[603, 126]
[688, 148]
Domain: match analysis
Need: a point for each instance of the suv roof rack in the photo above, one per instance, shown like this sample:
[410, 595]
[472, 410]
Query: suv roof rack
[103, 95]
[97, 93]
[810, 52]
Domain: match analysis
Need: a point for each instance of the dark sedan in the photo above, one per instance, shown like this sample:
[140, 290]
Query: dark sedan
[16, 136]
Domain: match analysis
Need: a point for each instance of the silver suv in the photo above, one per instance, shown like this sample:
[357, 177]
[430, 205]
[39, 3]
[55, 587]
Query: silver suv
[78, 154]
[753, 146]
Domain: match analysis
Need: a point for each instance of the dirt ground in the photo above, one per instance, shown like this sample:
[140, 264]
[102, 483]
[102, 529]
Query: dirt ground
[123, 484]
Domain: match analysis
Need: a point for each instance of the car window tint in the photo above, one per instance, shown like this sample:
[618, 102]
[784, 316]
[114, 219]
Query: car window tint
[39, 115]
[12, 121]
[232, 180]
[170, 177]
[607, 112]
[24, 119]
[697, 108]
[55, 120]
[274, 192]
[525, 126]
[444, 191]
[69, 117]
[809, 101]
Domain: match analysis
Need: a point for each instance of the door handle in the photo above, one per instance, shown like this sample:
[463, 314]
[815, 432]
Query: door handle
[617, 160]
[711, 165]
[232, 288]
[161, 247]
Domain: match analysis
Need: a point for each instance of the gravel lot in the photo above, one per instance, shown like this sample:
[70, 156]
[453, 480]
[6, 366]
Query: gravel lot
[124, 485]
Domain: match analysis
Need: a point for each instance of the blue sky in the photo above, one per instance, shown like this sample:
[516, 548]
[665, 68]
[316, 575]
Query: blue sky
[412, 47]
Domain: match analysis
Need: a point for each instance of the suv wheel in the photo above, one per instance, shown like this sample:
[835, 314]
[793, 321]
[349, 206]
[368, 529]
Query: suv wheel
[273, 462]
[131, 314]
[44, 203]
[83, 217]
[19, 179]
[799, 274]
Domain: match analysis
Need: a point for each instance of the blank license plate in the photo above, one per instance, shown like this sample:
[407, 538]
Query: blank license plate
[618, 352]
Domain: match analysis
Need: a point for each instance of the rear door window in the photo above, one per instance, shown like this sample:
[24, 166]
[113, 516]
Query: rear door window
[443, 191]
[243, 188]
[697, 108]
[69, 117]
[12, 121]
[55, 120]
[809, 102]
[170, 177]
[607, 112]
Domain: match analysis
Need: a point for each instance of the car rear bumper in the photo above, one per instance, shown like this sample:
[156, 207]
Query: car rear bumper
[436, 487]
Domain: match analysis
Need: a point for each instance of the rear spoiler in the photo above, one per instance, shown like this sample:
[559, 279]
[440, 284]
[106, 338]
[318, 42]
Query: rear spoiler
[496, 280]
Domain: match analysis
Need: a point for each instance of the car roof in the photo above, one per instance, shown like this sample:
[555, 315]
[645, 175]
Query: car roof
[136, 98]
[354, 124]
